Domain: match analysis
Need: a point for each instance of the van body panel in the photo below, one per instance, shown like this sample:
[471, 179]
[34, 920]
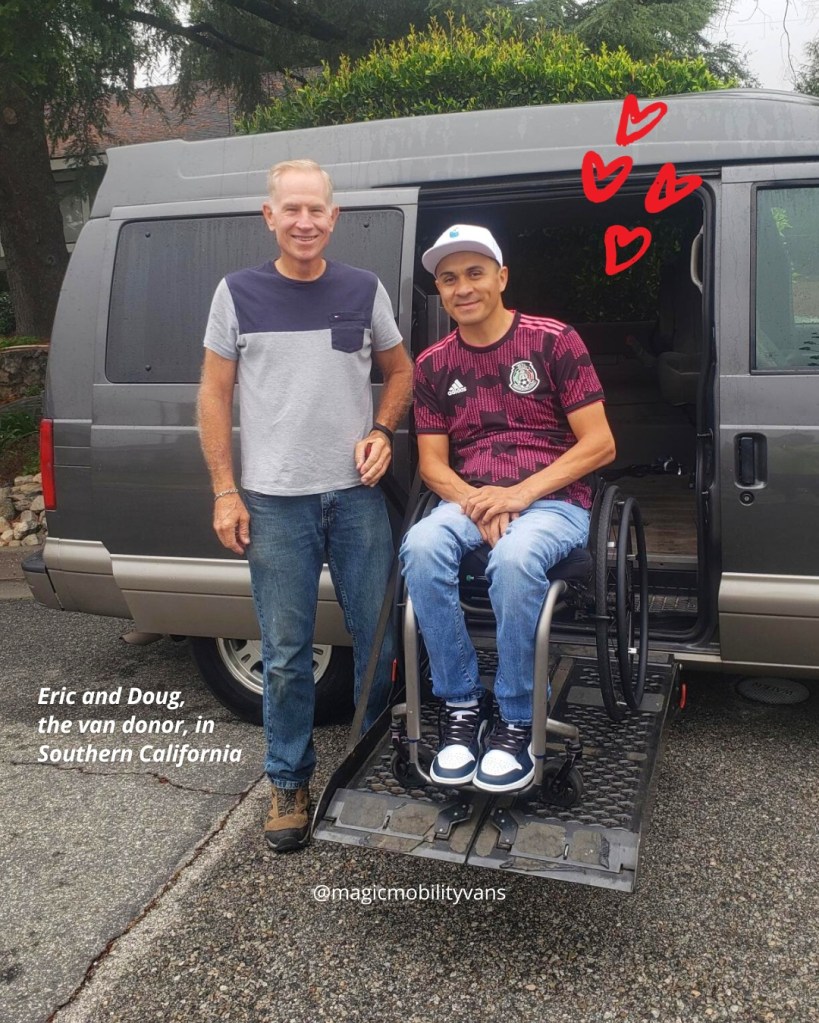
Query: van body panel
[207, 597]
[715, 127]
[769, 416]
[796, 596]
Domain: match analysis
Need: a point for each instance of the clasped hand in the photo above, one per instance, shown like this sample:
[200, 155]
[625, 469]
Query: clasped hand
[492, 509]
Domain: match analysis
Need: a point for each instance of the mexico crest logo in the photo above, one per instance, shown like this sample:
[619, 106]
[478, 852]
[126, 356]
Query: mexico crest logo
[523, 379]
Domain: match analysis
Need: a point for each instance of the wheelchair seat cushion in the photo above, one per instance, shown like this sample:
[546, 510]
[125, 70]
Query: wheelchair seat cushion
[575, 567]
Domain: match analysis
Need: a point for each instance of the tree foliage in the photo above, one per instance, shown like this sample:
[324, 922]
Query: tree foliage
[456, 68]
[62, 63]
[808, 78]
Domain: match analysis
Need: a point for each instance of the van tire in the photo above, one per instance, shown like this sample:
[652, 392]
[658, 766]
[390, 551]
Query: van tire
[231, 669]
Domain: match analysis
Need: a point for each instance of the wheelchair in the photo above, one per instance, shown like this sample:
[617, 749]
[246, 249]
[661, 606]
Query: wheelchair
[602, 587]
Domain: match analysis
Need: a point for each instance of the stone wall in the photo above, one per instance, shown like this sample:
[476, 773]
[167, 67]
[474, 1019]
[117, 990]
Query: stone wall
[22, 513]
[22, 371]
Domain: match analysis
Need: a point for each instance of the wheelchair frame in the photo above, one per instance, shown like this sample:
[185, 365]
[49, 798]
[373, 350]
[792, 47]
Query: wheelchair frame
[617, 569]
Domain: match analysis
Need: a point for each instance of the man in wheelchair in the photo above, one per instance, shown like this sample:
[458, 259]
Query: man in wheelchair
[510, 418]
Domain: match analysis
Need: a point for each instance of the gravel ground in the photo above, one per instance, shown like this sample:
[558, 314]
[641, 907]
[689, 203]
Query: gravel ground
[724, 926]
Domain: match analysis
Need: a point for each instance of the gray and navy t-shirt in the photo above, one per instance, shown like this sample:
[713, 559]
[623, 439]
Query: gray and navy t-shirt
[304, 350]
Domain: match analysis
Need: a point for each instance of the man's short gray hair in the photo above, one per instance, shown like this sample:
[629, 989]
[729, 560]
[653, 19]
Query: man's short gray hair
[310, 166]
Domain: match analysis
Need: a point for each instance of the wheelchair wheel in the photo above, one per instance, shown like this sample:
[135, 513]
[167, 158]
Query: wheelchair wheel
[632, 588]
[564, 793]
[609, 594]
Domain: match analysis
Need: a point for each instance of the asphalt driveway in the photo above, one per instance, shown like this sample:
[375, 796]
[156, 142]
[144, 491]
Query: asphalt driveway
[137, 893]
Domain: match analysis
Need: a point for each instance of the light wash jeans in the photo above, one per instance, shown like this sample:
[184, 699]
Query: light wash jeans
[290, 539]
[430, 555]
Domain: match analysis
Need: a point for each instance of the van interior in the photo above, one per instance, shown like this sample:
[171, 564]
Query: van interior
[644, 330]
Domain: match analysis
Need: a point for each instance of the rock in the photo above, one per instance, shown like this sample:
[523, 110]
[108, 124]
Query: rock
[28, 516]
[38, 504]
[6, 505]
[14, 543]
[30, 541]
[26, 489]
[4, 525]
[6, 535]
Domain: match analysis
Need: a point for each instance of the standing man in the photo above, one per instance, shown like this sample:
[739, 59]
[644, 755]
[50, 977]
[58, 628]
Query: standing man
[509, 414]
[299, 336]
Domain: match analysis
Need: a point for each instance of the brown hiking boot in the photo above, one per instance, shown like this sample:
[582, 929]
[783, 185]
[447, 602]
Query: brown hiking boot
[288, 826]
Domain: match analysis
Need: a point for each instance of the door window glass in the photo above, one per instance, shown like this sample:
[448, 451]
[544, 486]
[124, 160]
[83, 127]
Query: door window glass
[166, 271]
[787, 279]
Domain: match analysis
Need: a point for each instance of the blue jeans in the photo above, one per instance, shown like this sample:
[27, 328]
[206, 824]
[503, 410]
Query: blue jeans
[290, 539]
[430, 555]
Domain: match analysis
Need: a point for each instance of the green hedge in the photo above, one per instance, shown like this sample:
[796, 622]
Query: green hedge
[455, 68]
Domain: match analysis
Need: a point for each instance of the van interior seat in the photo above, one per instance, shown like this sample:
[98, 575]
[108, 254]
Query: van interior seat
[620, 353]
[679, 332]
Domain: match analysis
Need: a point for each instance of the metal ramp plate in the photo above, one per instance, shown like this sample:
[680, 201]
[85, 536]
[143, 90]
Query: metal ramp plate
[596, 842]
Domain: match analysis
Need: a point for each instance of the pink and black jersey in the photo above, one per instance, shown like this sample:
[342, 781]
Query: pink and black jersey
[504, 406]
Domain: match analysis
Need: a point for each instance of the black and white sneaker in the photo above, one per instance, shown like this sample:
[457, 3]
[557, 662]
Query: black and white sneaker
[462, 734]
[507, 765]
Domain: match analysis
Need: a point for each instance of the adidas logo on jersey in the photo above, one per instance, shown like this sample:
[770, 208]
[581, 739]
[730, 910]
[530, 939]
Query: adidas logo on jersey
[456, 388]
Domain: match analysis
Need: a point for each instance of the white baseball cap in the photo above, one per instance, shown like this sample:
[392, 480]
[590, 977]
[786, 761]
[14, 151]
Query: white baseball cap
[461, 238]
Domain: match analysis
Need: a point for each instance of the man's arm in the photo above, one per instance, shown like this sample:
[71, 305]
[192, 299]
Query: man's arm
[215, 417]
[396, 397]
[433, 464]
[594, 448]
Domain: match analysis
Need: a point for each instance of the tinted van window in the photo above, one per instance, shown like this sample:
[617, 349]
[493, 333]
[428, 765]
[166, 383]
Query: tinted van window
[165, 273]
[787, 279]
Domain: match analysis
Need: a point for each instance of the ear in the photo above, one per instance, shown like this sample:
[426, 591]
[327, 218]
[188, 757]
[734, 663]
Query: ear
[503, 277]
[269, 216]
[334, 216]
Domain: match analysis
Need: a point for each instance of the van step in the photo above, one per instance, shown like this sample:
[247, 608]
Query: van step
[595, 842]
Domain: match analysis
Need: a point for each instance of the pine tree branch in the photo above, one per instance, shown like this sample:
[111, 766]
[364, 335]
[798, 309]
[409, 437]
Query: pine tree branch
[203, 33]
[288, 16]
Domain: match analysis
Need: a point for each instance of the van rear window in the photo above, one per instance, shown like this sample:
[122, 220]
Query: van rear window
[166, 271]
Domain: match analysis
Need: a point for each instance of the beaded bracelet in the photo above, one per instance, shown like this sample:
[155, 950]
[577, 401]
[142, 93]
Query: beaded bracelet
[224, 493]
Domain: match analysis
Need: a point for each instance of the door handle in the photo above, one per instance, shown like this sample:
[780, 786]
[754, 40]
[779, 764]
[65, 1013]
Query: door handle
[751, 459]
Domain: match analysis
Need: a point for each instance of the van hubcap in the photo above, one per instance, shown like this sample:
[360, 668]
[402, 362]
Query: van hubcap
[243, 659]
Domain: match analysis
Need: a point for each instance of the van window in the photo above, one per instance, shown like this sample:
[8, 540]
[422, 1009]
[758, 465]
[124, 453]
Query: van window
[787, 279]
[165, 273]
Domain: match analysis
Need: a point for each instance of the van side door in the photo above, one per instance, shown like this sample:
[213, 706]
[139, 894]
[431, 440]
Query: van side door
[768, 355]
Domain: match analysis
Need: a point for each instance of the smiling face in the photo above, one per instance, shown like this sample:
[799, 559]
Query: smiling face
[470, 285]
[302, 215]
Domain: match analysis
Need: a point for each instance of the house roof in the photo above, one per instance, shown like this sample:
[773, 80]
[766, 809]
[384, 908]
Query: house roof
[211, 117]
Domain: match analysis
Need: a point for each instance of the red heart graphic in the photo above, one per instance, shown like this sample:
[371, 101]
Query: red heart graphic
[593, 169]
[619, 236]
[631, 114]
[667, 189]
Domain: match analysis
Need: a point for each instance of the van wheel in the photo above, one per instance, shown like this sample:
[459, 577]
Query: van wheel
[232, 670]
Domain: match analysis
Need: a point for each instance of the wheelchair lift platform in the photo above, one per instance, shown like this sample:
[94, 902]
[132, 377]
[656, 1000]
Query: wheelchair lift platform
[595, 842]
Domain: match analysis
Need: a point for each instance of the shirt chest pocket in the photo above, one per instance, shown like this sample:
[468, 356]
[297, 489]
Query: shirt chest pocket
[347, 331]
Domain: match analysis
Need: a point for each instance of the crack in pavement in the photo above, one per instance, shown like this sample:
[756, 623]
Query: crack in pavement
[95, 964]
[161, 778]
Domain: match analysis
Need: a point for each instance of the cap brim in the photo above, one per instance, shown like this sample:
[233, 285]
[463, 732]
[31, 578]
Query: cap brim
[432, 257]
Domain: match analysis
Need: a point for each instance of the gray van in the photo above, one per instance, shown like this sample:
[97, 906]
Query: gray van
[708, 350]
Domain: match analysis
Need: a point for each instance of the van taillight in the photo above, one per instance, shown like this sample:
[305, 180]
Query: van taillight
[47, 463]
